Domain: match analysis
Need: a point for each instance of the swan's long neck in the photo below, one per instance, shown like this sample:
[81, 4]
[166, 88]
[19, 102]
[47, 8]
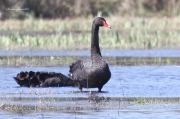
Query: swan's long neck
[95, 50]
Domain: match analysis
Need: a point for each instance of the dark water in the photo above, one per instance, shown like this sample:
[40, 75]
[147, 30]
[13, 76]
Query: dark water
[119, 99]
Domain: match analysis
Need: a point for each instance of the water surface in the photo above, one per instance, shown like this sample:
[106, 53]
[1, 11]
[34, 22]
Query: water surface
[127, 86]
[113, 53]
[133, 81]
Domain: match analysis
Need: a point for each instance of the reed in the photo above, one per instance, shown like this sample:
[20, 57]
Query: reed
[126, 33]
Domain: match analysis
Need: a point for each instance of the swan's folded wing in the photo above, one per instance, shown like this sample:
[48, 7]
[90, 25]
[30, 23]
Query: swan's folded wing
[79, 69]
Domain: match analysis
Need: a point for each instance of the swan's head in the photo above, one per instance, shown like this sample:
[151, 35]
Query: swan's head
[101, 22]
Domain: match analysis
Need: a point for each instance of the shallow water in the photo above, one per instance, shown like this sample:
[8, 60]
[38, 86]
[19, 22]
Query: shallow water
[115, 53]
[119, 99]
[133, 81]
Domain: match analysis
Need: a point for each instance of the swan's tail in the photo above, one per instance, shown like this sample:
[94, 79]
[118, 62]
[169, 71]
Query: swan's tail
[43, 79]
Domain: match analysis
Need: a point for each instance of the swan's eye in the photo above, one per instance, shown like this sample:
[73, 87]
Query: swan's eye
[105, 24]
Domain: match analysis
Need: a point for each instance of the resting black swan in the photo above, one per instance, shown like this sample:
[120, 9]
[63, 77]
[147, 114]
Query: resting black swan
[87, 73]
[43, 79]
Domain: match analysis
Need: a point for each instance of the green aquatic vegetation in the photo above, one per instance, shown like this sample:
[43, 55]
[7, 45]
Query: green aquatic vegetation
[168, 62]
[140, 101]
[34, 61]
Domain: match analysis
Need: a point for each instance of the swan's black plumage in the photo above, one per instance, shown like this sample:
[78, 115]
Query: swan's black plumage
[88, 73]
[94, 72]
[43, 79]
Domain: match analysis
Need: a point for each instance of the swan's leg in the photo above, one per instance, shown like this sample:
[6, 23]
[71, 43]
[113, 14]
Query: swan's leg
[80, 87]
[99, 88]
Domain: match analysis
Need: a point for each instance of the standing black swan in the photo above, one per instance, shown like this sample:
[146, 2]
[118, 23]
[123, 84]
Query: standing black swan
[94, 72]
[88, 73]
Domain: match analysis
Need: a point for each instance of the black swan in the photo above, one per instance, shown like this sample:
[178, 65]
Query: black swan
[94, 72]
[43, 79]
[87, 73]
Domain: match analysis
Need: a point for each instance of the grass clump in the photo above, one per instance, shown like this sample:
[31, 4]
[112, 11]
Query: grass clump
[140, 101]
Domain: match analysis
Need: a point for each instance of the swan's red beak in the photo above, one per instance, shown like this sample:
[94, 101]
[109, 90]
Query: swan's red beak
[105, 24]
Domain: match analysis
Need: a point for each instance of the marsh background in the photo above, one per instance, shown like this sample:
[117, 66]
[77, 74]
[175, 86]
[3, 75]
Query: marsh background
[66, 24]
